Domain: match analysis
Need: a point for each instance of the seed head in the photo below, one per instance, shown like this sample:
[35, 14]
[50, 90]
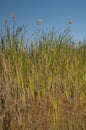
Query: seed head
[39, 21]
[5, 21]
[70, 22]
[12, 16]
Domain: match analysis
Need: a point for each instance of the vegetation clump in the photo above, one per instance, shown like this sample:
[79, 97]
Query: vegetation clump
[42, 85]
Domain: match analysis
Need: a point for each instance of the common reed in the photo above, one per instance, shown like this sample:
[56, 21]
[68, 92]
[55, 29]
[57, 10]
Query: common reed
[42, 86]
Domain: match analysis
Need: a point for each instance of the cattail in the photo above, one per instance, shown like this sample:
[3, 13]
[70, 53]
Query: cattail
[39, 21]
[12, 16]
[70, 22]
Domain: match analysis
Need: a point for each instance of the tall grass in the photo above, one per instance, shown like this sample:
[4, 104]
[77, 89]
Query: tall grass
[43, 86]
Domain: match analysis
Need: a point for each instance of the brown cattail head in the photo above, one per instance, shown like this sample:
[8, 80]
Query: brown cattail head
[39, 21]
[12, 16]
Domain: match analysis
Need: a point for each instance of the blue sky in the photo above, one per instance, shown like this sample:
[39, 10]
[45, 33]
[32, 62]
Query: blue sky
[54, 13]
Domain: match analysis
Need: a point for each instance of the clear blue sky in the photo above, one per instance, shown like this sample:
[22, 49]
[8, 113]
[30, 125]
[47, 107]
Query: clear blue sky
[54, 13]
